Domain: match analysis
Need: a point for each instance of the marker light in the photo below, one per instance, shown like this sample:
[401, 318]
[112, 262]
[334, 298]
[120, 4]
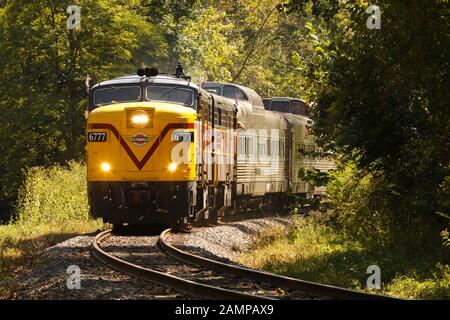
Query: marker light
[140, 118]
[106, 167]
[172, 167]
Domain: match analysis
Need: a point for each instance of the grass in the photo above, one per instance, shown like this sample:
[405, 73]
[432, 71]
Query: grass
[21, 246]
[316, 252]
[52, 207]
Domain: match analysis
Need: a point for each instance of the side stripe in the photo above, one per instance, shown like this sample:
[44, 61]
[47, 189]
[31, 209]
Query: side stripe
[140, 164]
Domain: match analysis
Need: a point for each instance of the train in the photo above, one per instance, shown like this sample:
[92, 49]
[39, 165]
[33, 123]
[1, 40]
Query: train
[162, 149]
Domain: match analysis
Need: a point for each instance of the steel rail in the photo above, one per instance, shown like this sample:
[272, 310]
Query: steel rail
[312, 288]
[188, 286]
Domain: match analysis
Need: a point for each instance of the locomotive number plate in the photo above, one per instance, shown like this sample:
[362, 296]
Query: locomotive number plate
[97, 137]
[183, 136]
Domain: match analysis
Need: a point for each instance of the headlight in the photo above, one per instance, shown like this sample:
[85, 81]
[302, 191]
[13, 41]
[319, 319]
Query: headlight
[172, 167]
[106, 167]
[140, 119]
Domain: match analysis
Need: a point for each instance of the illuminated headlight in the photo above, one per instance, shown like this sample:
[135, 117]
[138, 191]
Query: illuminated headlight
[106, 167]
[172, 167]
[140, 118]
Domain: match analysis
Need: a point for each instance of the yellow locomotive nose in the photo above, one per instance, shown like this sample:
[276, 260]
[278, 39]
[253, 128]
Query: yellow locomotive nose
[140, 119]
[106, 167]
[137, 142]
[172, 167]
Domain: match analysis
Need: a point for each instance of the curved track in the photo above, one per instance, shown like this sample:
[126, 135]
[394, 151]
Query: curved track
[194, 288]
[311, 288]
[215, 292]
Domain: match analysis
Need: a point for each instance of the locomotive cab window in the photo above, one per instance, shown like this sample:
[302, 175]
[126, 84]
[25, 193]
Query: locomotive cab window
[113, 94]
[174, 94]
[298, 107]
[231, 92]
[280, 106]
[214, 90]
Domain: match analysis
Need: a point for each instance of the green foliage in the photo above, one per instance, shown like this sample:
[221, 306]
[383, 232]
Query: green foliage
[315, 250]
[383, 105]
[53, 195]
[367, 209]
[171, 16]
[437, 286]
[314, 177]
[52, 207]
[249, 42]
[205, 47]
[44, 66]
[446, 237]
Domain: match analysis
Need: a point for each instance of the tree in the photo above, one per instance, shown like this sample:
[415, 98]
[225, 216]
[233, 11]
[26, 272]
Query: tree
[44, 66]
[254, 43]
[384, 102]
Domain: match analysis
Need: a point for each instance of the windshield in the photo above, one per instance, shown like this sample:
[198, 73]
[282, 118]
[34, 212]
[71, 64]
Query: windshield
[232, 92]
[280, 106]
[113, 94]
[176, 94]
[298, 107]
[213, 90]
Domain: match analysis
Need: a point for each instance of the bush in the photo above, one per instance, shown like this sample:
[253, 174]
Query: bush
[314, 251]
[370, 210]
[53, 195]
[52, 207]
[416, 287]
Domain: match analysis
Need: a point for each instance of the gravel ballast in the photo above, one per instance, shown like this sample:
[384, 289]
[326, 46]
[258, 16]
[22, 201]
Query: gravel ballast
[48, 280]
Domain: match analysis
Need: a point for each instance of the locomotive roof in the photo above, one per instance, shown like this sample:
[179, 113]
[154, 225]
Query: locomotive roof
[135, 79]
[255, 98]
[284, 99]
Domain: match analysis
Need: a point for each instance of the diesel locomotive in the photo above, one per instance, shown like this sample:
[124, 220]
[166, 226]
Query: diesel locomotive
[164, 150]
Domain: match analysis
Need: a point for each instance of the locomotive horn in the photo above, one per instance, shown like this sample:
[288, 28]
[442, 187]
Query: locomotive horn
[141, 72]
[151, 72]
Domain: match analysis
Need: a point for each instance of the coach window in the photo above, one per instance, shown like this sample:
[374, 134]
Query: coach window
[281, 146]
[300, 151]
[241, 146]
[319, 153]
[231, 92]
[275, 148]
[262, 148]
[251, 146]
[312, 151]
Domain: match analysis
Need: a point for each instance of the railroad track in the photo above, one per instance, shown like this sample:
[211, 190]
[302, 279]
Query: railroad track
[203, 290]
[310, 288]
[164, 279]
